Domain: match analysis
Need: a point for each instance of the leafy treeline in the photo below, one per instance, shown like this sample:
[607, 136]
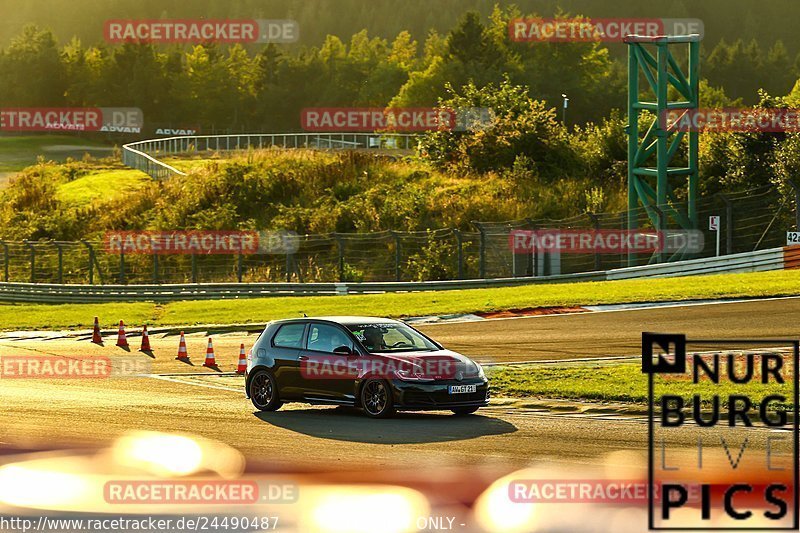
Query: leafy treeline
[724, 19]
[217, 87]
[236, 88]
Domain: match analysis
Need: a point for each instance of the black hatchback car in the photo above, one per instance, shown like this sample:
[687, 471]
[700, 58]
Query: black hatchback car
[377, 364]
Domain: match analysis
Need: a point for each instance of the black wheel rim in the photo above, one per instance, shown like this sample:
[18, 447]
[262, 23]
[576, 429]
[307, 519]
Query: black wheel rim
[261, 389]
[375, 398]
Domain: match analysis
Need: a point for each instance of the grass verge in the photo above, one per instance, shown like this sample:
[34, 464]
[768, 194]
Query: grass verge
[621, 382]
[59, 316]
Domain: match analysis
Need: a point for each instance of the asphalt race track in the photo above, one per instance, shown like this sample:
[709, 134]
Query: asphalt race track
[42, 412]
[615, 333]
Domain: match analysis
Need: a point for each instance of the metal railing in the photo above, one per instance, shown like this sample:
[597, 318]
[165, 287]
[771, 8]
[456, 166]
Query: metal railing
[146, 155]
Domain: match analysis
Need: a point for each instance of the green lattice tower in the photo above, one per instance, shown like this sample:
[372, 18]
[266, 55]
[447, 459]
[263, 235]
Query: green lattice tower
[654, 187]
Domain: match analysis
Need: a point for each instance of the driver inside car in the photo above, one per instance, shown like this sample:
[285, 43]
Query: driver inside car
[339, 340]
[324, 341]
[373, 339]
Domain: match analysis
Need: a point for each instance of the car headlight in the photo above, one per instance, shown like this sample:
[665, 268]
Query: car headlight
[481, 373]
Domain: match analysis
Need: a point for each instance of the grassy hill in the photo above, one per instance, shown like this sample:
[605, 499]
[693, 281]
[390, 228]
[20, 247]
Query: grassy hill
[301, 190]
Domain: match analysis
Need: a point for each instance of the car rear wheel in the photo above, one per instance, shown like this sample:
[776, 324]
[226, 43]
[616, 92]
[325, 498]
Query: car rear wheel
[461, 411]
[264, 391]
[376, 399]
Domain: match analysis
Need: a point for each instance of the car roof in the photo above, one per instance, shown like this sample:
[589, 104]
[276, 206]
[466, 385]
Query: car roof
[346, 320]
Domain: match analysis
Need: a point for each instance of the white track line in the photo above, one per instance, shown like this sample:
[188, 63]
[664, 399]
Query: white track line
[181, 374]
[206, 385]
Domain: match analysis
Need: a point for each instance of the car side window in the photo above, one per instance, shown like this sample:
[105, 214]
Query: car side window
[289, 336]
[326, 338]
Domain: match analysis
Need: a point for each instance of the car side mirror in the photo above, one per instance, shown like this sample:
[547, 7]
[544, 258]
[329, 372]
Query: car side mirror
[343, 350]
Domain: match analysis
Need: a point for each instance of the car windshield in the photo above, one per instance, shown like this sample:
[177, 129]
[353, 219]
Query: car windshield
[389, 337]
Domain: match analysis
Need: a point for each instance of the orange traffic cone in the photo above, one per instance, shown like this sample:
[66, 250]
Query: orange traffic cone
[145, 341]
[96, 337]
[122, 339]
[242, 368]
[182, 353]
[211, 362]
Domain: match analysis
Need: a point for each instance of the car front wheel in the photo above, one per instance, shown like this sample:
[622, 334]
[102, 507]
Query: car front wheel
[264, 391]
[376, 399]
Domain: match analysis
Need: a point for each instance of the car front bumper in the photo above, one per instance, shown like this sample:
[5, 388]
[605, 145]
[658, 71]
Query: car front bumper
[416, 396]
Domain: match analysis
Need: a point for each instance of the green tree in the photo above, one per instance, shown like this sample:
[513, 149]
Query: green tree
[522, 127]
[33, 74]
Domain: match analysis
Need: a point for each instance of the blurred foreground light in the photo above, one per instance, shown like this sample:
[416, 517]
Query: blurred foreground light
[625, 464]
[62, 481]
[373, 509]
[24, 486]
[164, 454]
[495, 511]
[169, 455]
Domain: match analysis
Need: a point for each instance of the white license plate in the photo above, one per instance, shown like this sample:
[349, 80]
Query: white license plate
[461, 389]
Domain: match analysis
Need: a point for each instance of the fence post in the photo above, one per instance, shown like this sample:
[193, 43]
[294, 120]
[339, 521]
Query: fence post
[728, 223]
[60, 263]
[460, 249]
[623, 225]
[155, 268]
[531, 261]
[289, 269]
[340, 256]
[121, 266]
[396, 237]
[194, 268]
[33, 261]
[659, 255]
[239, 267]
[596, 225]
[91, 261]
[482, 250]
[796, 203]
[5, 259]
[483, 254]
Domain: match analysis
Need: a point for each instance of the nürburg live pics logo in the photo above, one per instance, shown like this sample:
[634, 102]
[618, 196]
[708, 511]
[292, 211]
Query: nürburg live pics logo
[723, 433]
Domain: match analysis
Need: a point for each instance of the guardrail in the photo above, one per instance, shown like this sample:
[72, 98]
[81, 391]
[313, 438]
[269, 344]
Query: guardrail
[763, 260]
[758, 261]
[142, 155]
